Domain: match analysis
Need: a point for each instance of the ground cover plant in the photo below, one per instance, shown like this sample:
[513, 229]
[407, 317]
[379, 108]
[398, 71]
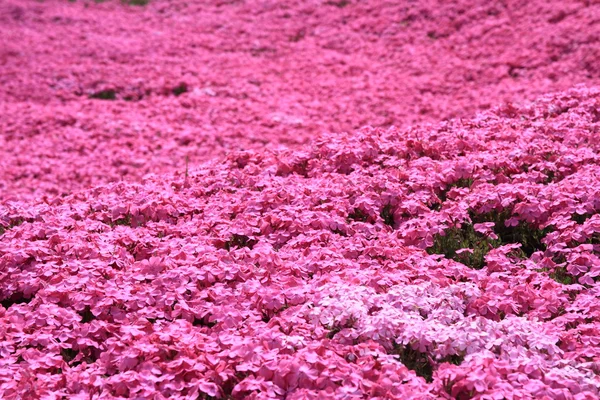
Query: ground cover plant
[97, 92]
[177, 220]
[385, 263]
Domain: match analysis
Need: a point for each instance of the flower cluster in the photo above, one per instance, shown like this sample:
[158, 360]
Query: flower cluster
[451, 261]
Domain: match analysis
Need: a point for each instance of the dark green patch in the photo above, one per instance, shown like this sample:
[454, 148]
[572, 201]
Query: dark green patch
[68, 355]
[455, 359]
[268, 314]
[239, 241]
[549, 177]
[179, 90]
[581, 218]
[123, 221]
[203, 322]
[337, 327]
[12, 224]
[528, 235]
[339, 232]
[435, 206]
[86, 315]
[465, 237]
[461, 183]
[139, 3]
[387, 214]
[107, 94]
[358, 215]
[334, 331]
[561, 275]
[421, 363]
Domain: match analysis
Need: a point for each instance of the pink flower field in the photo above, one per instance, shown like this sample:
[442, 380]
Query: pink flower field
[320, 199]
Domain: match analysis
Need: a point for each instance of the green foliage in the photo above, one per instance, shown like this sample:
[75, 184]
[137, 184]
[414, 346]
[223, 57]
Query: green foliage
[421, 363]
[107, 94]
[461, 183]
[454, 359]
[387, 214]
[86, 315]
[561, 275]
[139, 3]
[182, 87]
[12, 224]
[337, 327]
[580, 218]
[358, 215]
[68, 355]
[239, 241]
[203, 322]
[333, 331]
[268, 314]
[529, 236]
[416, 361]
[460, 238]
[549, 176]
[123, 221]
[435, 206]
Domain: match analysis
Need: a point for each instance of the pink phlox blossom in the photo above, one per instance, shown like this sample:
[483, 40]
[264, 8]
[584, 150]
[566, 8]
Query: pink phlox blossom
[486, 229]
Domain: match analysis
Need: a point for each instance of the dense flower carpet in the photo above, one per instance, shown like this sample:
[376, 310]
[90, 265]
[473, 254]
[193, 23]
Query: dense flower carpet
[299, 200]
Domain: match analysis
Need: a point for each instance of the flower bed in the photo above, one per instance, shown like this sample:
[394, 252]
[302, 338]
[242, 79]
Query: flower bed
[93, 92]
[451, 261]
